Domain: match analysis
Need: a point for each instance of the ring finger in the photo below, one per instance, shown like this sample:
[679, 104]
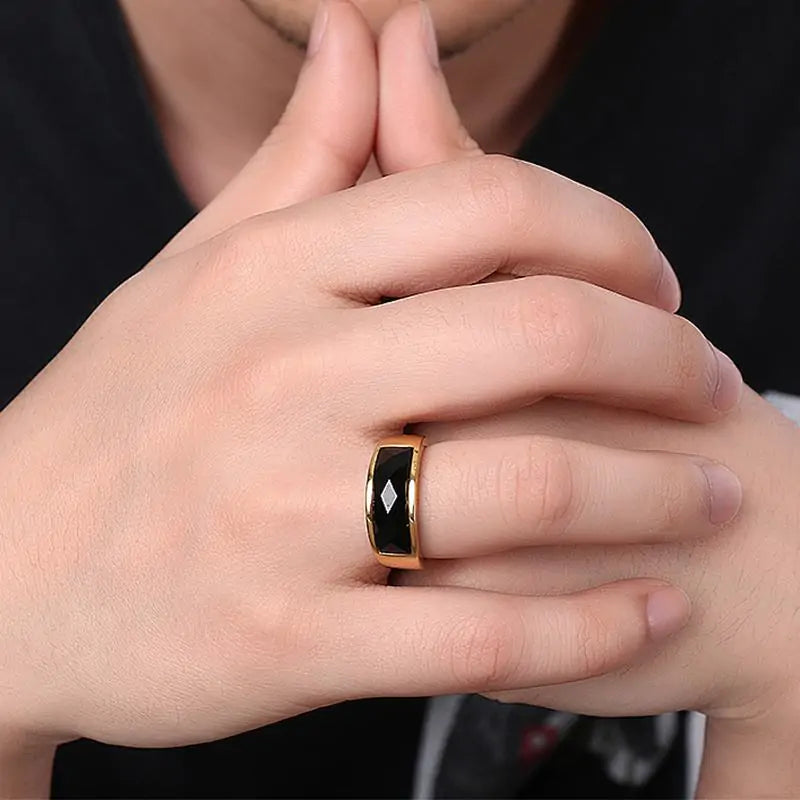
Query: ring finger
[485, 496]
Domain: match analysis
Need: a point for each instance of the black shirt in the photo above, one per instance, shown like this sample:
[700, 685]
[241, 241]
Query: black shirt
[687, 112]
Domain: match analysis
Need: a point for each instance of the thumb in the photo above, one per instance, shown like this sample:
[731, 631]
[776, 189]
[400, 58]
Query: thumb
[417, 122]
[324, 139]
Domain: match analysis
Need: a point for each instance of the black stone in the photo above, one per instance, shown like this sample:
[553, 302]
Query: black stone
[391, 529]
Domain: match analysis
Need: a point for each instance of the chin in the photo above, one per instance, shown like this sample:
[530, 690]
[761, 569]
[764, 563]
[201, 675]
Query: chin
[459, 23]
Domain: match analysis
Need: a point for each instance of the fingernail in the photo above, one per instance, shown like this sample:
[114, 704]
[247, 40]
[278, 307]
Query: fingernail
[429, 34]
[725, 492]
[668, 611]
[669, 288]
[318, 29]
[729, 387]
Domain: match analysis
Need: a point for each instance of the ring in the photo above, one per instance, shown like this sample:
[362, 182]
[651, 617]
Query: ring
[391, 501]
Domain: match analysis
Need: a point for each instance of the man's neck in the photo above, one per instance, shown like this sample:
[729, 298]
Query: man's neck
[220, 78]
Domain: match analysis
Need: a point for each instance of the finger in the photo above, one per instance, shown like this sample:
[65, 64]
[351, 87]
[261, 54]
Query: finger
[325, 137]
[459, 222]
[471, 351]
[417, 122]
[555, 571]
[537, 571]
[396, 641]
[480, 497]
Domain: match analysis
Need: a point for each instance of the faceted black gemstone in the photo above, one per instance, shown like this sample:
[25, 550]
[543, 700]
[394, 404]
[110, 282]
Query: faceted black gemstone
[389, 507]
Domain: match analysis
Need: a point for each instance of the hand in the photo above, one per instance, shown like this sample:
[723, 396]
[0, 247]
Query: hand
[183, 553]
[737, 659]
[750, 749]
[418, 126]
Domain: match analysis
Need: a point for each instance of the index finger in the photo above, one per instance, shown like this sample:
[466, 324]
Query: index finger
[322, 142]
[458, 222]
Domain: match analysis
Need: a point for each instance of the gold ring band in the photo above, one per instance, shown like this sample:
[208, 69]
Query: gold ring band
[392, 501]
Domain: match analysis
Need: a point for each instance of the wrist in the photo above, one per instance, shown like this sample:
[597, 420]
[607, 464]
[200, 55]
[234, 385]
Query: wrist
[26, 766]
[753, 757]
[25, 733]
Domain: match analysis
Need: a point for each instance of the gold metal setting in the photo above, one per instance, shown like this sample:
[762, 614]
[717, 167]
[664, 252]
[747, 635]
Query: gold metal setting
[391, 560]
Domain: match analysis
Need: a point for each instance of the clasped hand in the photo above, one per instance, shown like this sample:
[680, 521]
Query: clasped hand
[184, 554]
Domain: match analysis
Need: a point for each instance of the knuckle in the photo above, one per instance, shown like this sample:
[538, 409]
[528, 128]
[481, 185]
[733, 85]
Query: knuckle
[690, 366]
[290, 368]
[267, 378]
[236, 260]
[261, 383]
[230, 257]
[536, 487]
[493, 185]
[679, 496]
[554, 484]
[556, 321]
[282, 632]
[486, 651]
[627, 242]
[599, 645]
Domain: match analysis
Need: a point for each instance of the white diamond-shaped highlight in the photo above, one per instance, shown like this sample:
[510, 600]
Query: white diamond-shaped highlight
[388, 496]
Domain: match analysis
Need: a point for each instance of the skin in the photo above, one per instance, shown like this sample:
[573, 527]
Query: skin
[202, 547]
[241, 336]
[459, 26]
[220, 78]
[736, 660]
